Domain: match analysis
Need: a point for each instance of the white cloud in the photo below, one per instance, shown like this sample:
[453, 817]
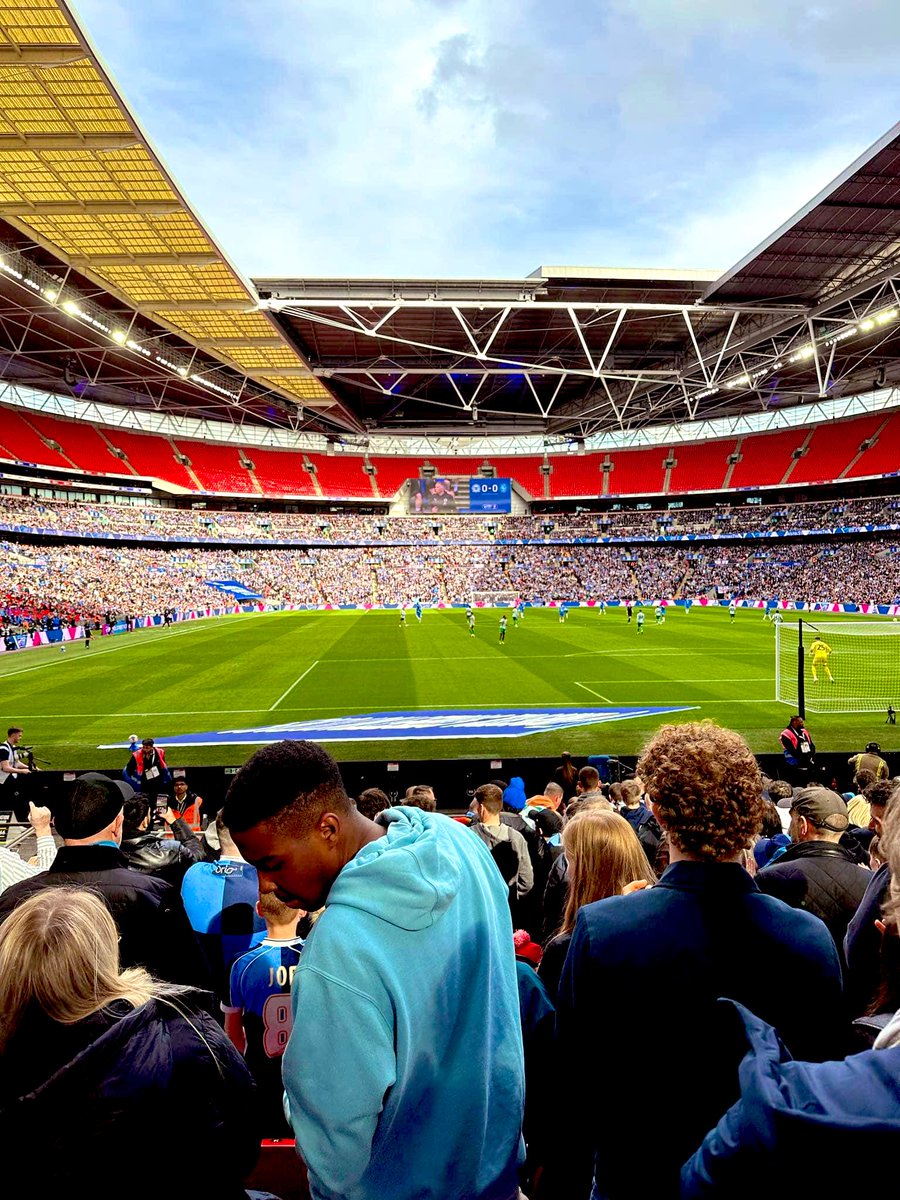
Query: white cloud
[344, 137]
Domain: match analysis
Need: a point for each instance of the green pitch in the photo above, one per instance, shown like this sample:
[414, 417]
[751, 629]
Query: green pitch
[249, 670]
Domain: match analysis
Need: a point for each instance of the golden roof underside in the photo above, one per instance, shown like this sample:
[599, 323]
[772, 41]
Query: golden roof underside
[78, 175]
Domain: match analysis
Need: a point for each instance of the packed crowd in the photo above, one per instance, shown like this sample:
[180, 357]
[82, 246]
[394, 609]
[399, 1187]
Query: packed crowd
[146, 521]
[407, 994]
[71, 583]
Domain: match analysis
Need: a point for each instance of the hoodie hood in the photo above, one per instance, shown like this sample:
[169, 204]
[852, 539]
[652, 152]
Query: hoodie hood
[409, 877]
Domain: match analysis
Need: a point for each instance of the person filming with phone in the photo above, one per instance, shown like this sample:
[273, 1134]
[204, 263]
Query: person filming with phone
[147, 771]
[166, 857]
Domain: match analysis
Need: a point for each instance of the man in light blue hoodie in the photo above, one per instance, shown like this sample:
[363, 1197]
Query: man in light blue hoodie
[404, 1073]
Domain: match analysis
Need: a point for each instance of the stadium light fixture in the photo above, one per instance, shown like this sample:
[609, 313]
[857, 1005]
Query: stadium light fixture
[120, 336]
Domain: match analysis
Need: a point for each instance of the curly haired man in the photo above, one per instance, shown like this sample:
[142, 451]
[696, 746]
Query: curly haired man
[669, 952]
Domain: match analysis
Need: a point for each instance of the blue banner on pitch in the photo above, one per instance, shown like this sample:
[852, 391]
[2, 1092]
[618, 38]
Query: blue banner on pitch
[444, 723]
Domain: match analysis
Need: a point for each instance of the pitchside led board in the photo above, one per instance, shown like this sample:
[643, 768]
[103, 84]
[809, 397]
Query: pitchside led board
[459, 494]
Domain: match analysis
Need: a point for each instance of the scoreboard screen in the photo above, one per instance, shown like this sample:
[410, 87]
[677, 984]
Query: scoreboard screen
[459, 494]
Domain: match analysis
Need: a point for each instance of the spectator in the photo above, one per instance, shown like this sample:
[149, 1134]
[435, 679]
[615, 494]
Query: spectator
[857, 805]
[549, 825]
[258, 1015]
[804, 1127]
[151, 854]
[220, 900]
[566, 776]
[588, 787]
[415, 927]
[604, 857]
[507, 846]
[94, 1056]
[640, 818]
[799, 750]
[154, 931]
[815, 873]
[13, 868]
[372, 801]
[186, 804]
[864, 940]
[869, 760]
[421, 796]
[552, 797]
[772, 841]
[147, 771]
[673, 949]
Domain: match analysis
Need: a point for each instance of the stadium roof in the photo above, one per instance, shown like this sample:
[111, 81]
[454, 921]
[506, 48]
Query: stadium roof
[112, 288]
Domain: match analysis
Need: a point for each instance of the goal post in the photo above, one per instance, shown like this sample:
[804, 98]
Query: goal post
[498, 599]
[837, 666]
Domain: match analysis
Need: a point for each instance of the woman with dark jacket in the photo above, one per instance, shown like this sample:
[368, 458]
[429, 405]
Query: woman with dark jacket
[604, 859]
[102, 1066]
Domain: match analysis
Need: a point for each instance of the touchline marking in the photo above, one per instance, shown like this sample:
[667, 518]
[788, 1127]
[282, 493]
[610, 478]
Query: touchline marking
[53, 660]
[599, 695]
[299, 679]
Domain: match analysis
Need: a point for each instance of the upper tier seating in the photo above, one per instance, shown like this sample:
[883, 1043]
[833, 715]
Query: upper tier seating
[576, 475]
[701, 467]
[832, 448]
[81, 443]
[19, 442]
[151, 456]
[765, 460]
[765, 457]
[281, 472]
[636, 472]
[217, 467]
[884, 457]
[342, 476]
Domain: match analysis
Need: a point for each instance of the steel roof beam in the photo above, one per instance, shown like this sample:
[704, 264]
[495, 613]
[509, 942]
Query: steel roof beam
[41, 56]
[143, 260]
[93, 208]
[68, 141]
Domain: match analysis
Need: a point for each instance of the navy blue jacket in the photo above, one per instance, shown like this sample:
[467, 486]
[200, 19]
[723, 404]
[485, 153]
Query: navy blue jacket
[862, 943]
[671, 951]
[799, 1129]
[142, 1103]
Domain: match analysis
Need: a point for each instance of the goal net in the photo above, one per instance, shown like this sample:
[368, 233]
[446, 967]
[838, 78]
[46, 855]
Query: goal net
[847, 666]
[497, 599]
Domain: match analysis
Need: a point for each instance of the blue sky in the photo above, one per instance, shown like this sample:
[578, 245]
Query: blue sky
[486, 137]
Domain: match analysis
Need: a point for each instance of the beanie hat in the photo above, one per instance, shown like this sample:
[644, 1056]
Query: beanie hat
[514, 795]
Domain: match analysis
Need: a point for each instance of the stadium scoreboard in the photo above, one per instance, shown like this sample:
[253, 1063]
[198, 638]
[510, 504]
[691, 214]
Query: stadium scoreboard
[459, 494]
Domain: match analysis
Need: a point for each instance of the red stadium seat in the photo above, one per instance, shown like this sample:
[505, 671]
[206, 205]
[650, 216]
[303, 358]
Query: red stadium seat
[701, 467]
[21, 443]
[281, 472]
[884, 457]
[80, 442]
[392, 473]
[526, 471]
[217, 467]
[765, 457]
[151, 456]
[638, 472]
[575, 475]
[342, 477]
[832, 448]
[280, 1171]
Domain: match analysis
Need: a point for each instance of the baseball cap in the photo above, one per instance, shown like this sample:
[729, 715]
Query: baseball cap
[823, 807]
[548, 822]
[93, 802]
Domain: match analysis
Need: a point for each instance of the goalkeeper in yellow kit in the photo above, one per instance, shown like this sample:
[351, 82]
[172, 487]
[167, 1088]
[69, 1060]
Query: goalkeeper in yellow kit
[819, 652]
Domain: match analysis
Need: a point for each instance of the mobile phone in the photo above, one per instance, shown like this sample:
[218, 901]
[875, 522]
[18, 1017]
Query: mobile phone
[162, 803]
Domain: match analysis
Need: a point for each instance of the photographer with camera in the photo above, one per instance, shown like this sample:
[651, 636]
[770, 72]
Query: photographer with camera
[11, 762]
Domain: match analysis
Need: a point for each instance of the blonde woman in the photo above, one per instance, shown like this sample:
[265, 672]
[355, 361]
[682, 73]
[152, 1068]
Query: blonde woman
[604, 859]
[112, 1084]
